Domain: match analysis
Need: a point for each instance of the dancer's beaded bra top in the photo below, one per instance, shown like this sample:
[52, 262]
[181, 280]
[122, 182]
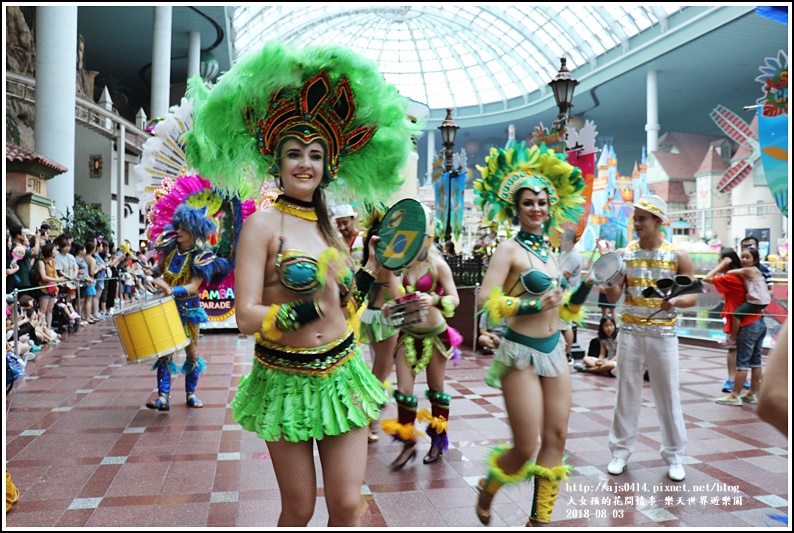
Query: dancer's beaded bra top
[529, 364]
[330, 96]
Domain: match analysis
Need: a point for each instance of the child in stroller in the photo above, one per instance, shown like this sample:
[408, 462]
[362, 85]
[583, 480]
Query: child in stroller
[64, 317]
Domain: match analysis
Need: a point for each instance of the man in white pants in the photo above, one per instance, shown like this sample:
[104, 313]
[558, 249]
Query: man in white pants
[648, 339]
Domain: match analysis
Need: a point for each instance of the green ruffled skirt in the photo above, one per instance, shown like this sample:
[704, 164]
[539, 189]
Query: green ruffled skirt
[373, 329]
[297, 394]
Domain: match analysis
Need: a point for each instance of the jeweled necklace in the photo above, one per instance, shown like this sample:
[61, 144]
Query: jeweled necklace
[296, 208]
[534, 244]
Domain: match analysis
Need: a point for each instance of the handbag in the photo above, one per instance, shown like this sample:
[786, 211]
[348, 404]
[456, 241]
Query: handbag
[52, 288]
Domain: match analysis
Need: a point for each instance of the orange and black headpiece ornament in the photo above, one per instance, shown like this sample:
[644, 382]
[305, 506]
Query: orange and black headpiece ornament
[318, 112]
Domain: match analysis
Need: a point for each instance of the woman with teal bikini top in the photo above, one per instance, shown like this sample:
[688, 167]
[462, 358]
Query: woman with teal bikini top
[530, 366]
[293, 114]
[537, 282]
[297, 272]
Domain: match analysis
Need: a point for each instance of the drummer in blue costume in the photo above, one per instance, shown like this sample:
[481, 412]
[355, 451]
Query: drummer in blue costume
[185, 265]
[530, 366]
[313, 118]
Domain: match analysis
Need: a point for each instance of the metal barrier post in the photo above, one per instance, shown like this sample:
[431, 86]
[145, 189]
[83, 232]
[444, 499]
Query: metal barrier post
[476, 321]
[16, 323]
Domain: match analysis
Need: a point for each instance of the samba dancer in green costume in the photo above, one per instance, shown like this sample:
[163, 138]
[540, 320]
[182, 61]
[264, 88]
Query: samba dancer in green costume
[530, 365]
[306, 116]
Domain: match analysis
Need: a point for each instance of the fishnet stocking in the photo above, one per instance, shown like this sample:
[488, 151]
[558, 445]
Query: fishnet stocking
[293, 463]
[344, 462]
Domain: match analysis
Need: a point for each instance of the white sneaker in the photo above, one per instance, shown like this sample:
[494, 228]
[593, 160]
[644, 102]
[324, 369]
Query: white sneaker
[616, 466]
[676, 472]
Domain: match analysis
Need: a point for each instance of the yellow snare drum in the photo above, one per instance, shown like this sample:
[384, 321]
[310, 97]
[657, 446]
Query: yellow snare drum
[151, 330]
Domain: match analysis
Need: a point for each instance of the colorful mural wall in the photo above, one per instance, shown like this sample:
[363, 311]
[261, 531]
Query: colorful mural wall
[611, 203]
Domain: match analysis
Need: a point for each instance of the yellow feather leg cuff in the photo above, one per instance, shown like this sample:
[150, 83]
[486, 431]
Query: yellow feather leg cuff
[555, 473]
[496, 474]
[439, 423]
[404, 432]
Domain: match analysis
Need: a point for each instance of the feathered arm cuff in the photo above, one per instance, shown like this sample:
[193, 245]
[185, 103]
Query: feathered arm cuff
[209, 267]
[363, 283]
[330, 257]
[288, 317]
[572, 310]
[499, 306]
[447, 307]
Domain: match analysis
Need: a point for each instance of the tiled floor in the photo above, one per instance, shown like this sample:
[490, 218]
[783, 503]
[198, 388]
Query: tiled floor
[84, 452]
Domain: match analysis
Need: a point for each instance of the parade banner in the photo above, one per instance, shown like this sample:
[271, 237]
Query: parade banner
[458, 185]
[773, 136]
[441, 189]
[586, 162]
[773, 127]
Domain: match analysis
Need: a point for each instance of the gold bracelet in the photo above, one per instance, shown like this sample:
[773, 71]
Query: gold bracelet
[365, 269]
[319, 311]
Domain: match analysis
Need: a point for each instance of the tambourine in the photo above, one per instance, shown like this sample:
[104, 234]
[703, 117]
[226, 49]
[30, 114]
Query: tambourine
[608, 271]
[406, 231]
[405, 311]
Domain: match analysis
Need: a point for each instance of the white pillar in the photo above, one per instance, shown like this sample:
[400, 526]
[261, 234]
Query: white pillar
[193, 54]
[431, 154]
[161, 62]
[141, 119]
[652, 125]
[120, 158]
[56, 77]
[107, 102]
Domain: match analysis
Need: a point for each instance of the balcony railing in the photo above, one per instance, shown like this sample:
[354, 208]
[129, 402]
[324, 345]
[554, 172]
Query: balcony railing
[88, 113]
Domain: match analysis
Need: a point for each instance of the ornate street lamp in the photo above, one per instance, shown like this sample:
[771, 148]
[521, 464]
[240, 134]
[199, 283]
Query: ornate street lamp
[449, 129]
[563, 86]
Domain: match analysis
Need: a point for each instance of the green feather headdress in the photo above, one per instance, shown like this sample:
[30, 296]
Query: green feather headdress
[507, 171]
[326, 93]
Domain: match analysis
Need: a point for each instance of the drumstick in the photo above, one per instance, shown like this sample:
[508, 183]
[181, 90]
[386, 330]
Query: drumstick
[591, 256]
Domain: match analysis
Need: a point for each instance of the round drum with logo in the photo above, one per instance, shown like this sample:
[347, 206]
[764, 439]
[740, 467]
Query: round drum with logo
[405, 232]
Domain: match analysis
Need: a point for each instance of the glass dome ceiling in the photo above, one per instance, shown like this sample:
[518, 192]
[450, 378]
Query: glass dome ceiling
[447, 56]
